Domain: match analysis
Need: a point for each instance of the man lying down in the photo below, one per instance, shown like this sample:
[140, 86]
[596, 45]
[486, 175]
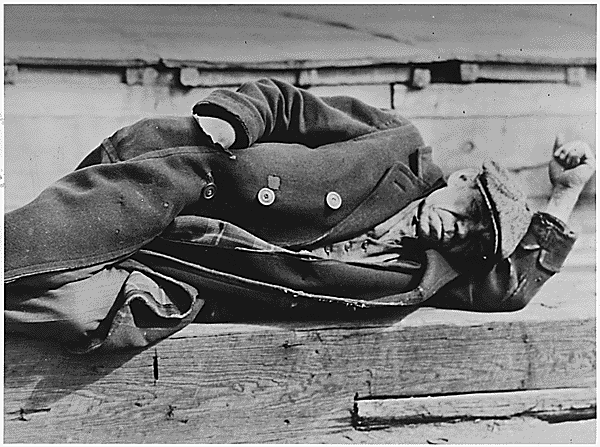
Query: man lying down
[274, 196]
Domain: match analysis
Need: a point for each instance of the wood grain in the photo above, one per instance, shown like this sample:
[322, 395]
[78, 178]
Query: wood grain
[507, 73]
[281, 35]
[278, 382]
[556, 403]
[516, 430]
[194, 77]
[349, 76]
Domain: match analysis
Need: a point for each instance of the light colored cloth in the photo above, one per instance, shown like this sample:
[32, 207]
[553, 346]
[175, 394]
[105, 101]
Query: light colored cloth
[65, 306]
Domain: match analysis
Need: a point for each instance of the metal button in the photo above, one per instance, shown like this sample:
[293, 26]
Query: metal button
[266, 196]
[209, 191]
[333, 200]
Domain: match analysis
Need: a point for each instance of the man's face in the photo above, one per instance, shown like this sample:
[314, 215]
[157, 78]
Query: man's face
[451, 218]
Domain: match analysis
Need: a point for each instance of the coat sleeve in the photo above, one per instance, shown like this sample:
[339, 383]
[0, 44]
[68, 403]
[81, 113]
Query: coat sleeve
[275, 111]
[514, 281]
[102, 213]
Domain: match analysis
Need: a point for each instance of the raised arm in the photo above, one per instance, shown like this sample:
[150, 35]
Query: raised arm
[275, 111]
[514, 281]
[571, 167]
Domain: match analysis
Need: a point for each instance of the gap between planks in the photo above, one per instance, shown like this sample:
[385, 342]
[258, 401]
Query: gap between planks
[547, 404]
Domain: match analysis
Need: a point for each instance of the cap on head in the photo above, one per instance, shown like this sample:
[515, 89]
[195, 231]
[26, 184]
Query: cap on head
[508, 207]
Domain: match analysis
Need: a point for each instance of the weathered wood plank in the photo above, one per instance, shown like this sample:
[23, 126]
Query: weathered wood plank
[69, 76]
[574, 403]
[278, 382]
[75, 110]
[368, 74]
[576, 76]
[516, 430]
[376, 95]
[114, 101]
[203, 393]
[515, 142]
[514, 124]
[100, 102]
[494, 100]
[195, 77]
[277, 35]
[335, 76]
[32, 162]
[522, 73]
[11, 73]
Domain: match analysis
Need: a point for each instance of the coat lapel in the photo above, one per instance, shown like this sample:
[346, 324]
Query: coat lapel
[397, 188]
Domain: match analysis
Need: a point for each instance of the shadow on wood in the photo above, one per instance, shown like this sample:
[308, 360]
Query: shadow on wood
[49, 373]
[296, 381]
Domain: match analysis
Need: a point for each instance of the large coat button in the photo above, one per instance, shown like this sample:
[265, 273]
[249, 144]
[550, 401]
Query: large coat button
[333, 200]
[209, 191]
[266, 196]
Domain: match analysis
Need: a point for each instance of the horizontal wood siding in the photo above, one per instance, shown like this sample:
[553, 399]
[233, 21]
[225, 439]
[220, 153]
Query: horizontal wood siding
[376, 95]
[495, 99]
[55, 116]
[516, 124]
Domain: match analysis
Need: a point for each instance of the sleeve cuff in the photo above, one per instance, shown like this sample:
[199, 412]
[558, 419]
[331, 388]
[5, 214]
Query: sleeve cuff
[245, 120]
[554, 238]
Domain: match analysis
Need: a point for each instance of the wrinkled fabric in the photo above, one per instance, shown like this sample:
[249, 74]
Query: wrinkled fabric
[514, 281]
[106, 212]
[134, 223]
[382, 244]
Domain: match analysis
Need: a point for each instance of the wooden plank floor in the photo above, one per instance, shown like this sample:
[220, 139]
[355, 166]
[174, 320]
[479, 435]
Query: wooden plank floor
[236, 383]
[517, 430]
[298, 382]
[552, 404]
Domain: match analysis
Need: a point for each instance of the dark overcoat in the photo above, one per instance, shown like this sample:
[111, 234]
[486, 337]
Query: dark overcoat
[155, 177]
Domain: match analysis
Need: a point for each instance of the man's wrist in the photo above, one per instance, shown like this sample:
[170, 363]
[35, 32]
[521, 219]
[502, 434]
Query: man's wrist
[566, 193]
[562, 201]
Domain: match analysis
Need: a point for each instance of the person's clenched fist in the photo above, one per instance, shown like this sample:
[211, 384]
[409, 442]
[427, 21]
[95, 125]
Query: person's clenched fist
[572, 164]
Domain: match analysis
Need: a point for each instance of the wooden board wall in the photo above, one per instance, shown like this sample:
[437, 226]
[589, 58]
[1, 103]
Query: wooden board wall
[54, 117]
[516, 124]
